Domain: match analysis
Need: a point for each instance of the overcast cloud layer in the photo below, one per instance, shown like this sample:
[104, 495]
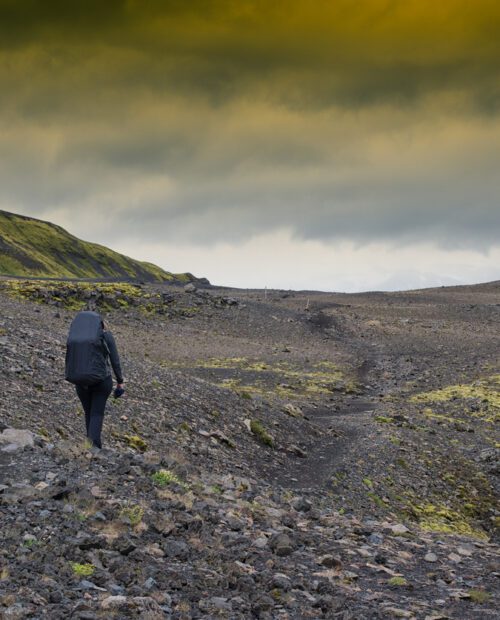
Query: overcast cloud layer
[220, 126]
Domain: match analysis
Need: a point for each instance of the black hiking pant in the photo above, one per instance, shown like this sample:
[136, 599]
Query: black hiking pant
[93, 400]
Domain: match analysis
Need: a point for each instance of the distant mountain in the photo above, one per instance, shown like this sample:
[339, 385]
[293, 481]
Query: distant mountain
[34, 248]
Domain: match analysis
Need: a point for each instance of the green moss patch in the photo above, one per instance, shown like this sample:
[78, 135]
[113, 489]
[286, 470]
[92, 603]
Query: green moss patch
[442, 519]
[287, 381]
[132, 513]
[82, 570]
[479, 596]
[479, 399]
[382, 419]
[136, 442]
[165, 477]
[397, 581]
[260, 432]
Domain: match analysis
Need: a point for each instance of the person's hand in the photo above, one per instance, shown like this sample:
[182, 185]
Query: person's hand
[119, 390]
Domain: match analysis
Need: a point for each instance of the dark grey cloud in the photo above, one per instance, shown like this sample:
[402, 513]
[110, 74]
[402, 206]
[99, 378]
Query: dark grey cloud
[298, 54]
[215, 120]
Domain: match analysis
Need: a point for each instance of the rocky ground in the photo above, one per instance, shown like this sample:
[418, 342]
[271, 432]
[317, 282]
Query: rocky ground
[276, 455]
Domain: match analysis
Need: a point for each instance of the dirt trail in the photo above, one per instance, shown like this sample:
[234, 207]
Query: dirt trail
[346, 429]
[343, 433]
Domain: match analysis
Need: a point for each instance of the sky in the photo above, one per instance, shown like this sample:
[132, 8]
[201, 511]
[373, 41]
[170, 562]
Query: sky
[321, 144]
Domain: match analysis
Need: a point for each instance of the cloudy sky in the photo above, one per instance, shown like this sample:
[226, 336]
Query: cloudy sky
[331, 144]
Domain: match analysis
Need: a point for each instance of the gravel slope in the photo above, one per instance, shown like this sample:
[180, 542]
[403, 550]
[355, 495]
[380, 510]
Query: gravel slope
[277, 455]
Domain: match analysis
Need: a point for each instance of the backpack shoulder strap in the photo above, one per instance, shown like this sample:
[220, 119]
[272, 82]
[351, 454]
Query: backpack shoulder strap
[106, 348]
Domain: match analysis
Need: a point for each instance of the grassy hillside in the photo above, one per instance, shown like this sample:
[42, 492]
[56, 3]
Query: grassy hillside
[31, 247]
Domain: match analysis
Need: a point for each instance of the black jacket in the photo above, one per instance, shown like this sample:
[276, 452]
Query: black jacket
[114, 358]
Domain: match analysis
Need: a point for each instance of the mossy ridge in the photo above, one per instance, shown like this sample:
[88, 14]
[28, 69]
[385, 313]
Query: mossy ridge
[32, 247]
[75, 295]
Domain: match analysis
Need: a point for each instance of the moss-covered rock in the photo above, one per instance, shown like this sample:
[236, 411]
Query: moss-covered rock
[259, 431]
[136, 442]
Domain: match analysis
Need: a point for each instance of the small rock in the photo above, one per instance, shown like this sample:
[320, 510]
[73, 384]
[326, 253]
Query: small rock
[281, 581]
[262, 604]
[375, 539]
[399, 529]
[176, 549]
[149, 583]
[260, 542]
[147, 607]
[282, 545]
[248, 424]
[113, 602]
[123, 545]
[97, 492]
[431, 557]
[87, 585]
[301, 504]
[330, 561]
[294, 449]
[293, 410]
[16, 439]
[220, 602]
[55, 597]
[220, 436]
[151, 457]
[396, 612]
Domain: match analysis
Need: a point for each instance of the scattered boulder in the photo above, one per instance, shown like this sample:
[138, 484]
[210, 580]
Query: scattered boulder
[293, 410]
[282, 545]
[12, 439]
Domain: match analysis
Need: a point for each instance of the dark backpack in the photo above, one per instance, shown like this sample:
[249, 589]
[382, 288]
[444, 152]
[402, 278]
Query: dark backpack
[86, 350]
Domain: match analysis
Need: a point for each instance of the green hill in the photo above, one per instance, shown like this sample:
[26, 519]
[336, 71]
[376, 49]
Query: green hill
[34, 248]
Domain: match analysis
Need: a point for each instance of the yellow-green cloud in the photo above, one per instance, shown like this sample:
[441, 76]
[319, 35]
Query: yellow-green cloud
[297, 52]
[360, 120]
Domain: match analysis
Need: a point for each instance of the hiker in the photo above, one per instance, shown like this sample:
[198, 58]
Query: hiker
[90, 354]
